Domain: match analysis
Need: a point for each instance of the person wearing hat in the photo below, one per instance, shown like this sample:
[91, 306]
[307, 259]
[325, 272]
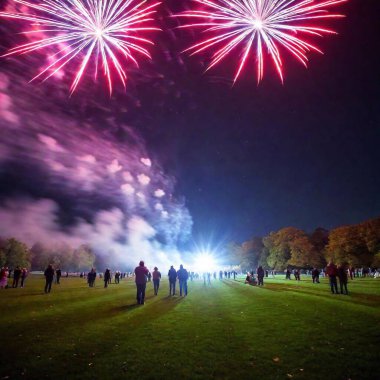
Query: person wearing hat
[156, 280]
[141, 274]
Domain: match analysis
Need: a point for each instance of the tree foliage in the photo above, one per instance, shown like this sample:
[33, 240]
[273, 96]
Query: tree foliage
[14, 253]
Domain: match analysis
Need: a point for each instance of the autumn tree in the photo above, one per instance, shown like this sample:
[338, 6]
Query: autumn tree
[251, 253]
[346, 244]
[15, 253]
[83, 258]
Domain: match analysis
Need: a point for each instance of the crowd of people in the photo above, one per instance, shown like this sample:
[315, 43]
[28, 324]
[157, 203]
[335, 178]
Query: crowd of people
[336, 275]
[19, 277]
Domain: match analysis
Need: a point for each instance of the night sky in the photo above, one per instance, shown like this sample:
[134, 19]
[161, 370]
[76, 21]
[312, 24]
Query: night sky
[246, 159]
[252, 159]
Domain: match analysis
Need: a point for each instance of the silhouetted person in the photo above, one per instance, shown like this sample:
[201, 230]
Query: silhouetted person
[117, 277]
[260, 275]
[352, 272]
[107, 277]
[287, 274]
[343, 279]
[16, 277]
[172, 274]
[141, 275]
[221, 275]
[182, 278]
[156, 280]
[49, 277]
[24, 274]
[149, 277]
[297, 275]
[234, 272]
[91, 277]
[332, 272]
[315, 275]
[58, 274]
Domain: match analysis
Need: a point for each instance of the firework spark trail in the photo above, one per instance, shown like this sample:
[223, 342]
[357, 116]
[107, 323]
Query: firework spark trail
[89, 30]
[259, 24]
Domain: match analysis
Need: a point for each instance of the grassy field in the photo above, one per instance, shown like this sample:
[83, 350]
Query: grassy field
[285, 330]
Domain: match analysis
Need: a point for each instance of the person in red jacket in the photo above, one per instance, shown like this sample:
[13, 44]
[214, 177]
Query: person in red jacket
[332, 272]
[141, 275]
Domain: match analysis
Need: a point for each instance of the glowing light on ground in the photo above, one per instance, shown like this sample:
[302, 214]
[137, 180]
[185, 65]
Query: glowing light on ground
[105, 32]
[256, 26]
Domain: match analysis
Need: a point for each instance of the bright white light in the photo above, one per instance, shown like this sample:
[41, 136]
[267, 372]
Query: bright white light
[258, 24]
[99, 32]
[204, 262]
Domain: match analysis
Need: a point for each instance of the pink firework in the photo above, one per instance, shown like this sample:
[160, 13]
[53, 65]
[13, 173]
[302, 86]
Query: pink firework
[254, 26]
[87, 31]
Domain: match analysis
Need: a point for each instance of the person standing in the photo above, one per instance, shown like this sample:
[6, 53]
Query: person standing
[156, 280]
[16, 277]
[49, 277]
[141, 276]
[343, 279]
[91, 277]
[182, 278]
[260, 276]
[58, 274]
[315, 276]
[107, 277]
[24, 273]
[117, 277]
[352, 272]
[172, 274]
[332, 271]
[4, 278]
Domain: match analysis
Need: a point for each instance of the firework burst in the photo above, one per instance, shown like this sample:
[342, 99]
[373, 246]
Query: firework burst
[101, 32]
[254, 26]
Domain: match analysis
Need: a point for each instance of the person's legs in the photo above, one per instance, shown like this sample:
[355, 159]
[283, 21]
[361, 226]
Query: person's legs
[185, 287]
[138, 294]
[46, 286]
[331, 284]
[142, 293]
[49, 285]
[345, 287]
[180, 288]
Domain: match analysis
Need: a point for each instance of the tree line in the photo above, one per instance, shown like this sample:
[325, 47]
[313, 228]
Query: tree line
[15, 253]
[356, 245]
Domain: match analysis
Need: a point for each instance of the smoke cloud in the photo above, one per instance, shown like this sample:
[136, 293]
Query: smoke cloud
[75, 179]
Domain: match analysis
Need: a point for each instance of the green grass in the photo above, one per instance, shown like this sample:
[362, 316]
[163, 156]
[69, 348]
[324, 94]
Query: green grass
[226, 331]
